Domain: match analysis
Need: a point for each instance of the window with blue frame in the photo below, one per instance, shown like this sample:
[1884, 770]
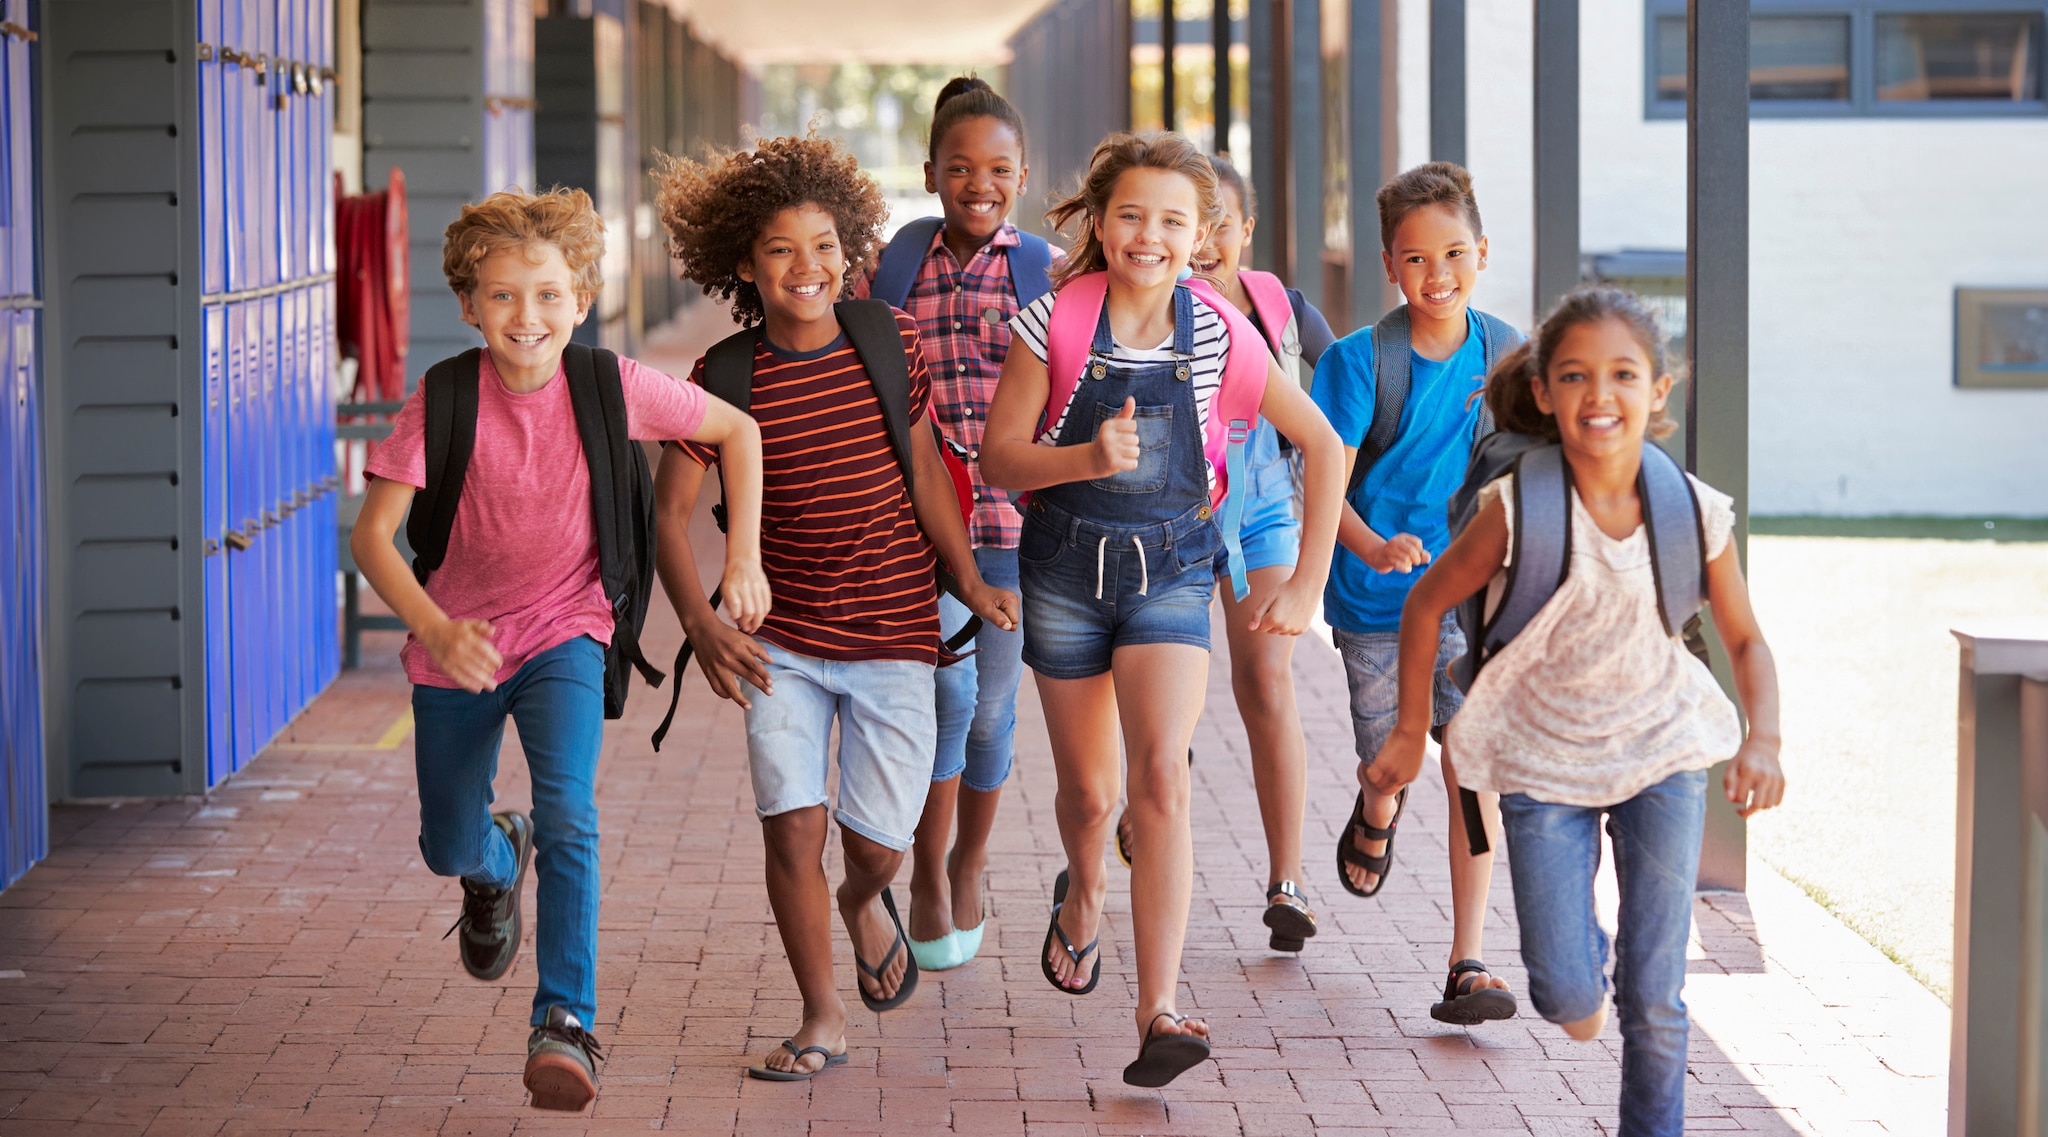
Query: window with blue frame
[1902, 58]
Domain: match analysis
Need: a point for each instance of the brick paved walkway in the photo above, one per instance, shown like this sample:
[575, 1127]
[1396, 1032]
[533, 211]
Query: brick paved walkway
[268, 961]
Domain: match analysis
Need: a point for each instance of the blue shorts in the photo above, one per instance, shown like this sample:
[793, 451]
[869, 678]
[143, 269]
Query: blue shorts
[1269, 530]
[1089, 588]
[1372, 671]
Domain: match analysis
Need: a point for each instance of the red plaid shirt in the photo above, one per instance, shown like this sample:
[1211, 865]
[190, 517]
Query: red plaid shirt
[963, 322]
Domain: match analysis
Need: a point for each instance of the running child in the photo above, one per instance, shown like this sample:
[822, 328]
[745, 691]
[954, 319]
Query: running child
[1262, 666]
[856, 502]
[962, 276]
[1403, 395]
[1148, 388]
[514, 620]
[1595, 707]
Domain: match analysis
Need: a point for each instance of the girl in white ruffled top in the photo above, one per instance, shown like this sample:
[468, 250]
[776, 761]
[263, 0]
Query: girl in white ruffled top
[1595, 709]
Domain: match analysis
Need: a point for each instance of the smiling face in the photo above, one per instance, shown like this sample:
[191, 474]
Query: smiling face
[526, 306]
[1231, 239]
[798, 265]
[979, 175]
[1601, 387]
[1435, 260]
[1152, 227]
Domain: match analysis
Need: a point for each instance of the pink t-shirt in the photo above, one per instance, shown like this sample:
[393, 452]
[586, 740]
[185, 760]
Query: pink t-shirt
[523, 550]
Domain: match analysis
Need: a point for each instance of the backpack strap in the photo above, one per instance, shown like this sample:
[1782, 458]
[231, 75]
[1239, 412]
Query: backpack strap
[1542, 545]
[896, 272]
[1233, 412]
[729, 374]
[1391, 378]
[1069, 333]
[1677, 532]
[1277, 317]
[1495, 338]
[598, 394]
[450, 391]
[1030, 268]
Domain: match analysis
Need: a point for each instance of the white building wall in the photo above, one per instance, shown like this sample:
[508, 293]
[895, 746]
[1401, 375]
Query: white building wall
[1860, 231]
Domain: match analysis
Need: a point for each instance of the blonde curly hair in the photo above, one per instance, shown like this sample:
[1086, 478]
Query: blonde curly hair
[714, 210]
[515, 219]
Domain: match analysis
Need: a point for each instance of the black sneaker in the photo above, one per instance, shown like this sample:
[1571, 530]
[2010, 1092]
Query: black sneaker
[490, 924]
[561, 1063]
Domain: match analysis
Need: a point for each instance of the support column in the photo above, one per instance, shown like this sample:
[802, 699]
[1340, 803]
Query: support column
[1219, 45]
[1717, 322]
[1168, 40]
[1369, 159]
[1447, 81]
[1266, 36]
[1556, 151]
[1305, 132]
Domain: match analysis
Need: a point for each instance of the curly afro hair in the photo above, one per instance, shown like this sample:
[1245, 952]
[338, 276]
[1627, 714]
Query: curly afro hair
[715, 209]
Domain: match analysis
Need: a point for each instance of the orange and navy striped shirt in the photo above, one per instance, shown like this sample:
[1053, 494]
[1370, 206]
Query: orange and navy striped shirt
[851, 571]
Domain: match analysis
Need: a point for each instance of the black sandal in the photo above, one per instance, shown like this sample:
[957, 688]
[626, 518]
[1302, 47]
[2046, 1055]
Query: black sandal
[1462, 1006]
[768, 1073]
[901, 944]
[1292, 924]
[1348, 852]
[1164, 1057]
[1123, 850]
[1059, 900]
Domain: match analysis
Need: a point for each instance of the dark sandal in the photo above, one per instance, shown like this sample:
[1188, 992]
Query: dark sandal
[1348, 852]
[1123, 851]
[1291, 923]
[1059, 900]
[1463, 1006]
[1164, 1057]
[902, 944]
[768, 1073]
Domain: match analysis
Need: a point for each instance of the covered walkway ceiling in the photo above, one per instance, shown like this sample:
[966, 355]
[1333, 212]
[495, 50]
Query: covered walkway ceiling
[758, 32]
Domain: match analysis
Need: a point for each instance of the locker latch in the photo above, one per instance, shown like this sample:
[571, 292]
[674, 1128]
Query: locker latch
[206, 53]
[299, 80]
[235, 539]
[209, 547]
[10, 28]
[262, 63]
[270, 519]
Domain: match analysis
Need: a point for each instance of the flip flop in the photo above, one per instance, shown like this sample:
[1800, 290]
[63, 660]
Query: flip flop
[1123, 851]
[768, 1073]
[1462, 1006]
[875, 973]
[1164, 1057]
[1059, 900]
[1348, 852]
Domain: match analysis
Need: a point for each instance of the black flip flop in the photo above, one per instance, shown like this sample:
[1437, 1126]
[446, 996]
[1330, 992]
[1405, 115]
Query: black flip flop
[769, 1074]
[1348, 852]
[1164, 1057]
[1463, 1006]
[902, 944]
[1123, 851]
[1291, 925]
[1059, 900]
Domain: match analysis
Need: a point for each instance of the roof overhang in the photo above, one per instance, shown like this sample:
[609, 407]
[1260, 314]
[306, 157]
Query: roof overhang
[760, 32]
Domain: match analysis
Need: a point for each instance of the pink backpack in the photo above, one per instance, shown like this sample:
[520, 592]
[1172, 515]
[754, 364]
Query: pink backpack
[1276, 312]
[1232, 412]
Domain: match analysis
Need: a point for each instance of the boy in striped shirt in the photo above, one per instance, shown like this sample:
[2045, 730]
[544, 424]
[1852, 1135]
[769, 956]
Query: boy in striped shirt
[849, 551]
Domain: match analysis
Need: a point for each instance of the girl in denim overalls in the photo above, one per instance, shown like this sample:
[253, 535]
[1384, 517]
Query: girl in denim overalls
[1120, 543]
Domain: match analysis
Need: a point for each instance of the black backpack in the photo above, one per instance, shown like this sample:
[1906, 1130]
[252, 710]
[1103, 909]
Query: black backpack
[621, 493]
[871, 328]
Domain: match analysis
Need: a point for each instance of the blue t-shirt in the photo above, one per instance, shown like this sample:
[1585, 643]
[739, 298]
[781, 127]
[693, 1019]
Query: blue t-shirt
[1410, 488]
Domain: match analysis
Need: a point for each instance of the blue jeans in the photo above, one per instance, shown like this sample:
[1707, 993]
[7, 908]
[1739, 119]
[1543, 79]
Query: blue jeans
[557, 699]
[1553, 853]
[978, 695]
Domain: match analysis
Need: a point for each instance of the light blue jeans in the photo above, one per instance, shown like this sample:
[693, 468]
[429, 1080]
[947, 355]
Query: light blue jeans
[1553, 853]
[978, 695]
[887, 732]
[557, 698]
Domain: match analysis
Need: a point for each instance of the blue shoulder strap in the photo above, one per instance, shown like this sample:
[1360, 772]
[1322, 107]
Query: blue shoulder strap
[1030, 268]
[1495, 337]
[900, 260]
[1678, 541]
[1391, 377]
[1541, 547]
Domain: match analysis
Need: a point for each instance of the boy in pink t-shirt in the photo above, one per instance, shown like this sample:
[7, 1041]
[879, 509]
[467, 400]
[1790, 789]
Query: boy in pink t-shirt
[514, 621]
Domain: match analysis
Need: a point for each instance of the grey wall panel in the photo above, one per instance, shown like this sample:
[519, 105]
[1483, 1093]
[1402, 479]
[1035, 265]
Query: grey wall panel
[125, 371]
[130, 727]
[428, 73]
[123, 440]
[108, 506]
[109, 576]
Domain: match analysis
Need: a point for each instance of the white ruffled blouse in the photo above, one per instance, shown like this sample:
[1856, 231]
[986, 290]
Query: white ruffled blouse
[1594, 701]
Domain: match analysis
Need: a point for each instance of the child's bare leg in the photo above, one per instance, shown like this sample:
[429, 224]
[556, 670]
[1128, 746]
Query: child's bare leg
[869, 868]
[969, 858]
[1080, 717]
[931, 900]
[803, 916]
[1262, 679]
[1159, 688]
[1471, 878]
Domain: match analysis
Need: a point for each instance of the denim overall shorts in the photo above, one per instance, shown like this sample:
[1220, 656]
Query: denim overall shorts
[1127, 559]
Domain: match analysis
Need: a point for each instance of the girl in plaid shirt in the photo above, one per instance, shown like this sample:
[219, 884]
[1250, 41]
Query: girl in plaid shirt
[963, 291]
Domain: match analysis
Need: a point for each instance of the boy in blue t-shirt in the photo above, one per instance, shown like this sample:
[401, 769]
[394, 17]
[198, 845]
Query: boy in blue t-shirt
[1397, 519]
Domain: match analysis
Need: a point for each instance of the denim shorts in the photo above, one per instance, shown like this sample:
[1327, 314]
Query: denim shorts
[1372, 670]
[888, 729]
[1089, 588]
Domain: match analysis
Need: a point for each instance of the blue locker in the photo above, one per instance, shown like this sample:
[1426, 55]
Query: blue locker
[220, 739]
[291, 558]
[263, 38]
[269, 421]
[14, 851]
[238, 84]
[330, 502]
[10, 228]
[325, 25]
[284, 105]
[212, 161]
[244, 522]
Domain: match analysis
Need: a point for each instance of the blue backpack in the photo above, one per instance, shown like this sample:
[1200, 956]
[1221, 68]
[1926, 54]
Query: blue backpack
[1030, 264]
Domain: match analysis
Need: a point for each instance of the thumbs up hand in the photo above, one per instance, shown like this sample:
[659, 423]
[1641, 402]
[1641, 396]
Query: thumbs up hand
[1116, 442]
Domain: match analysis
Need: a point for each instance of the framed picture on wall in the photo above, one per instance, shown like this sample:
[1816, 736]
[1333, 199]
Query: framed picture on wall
[2001, 337]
